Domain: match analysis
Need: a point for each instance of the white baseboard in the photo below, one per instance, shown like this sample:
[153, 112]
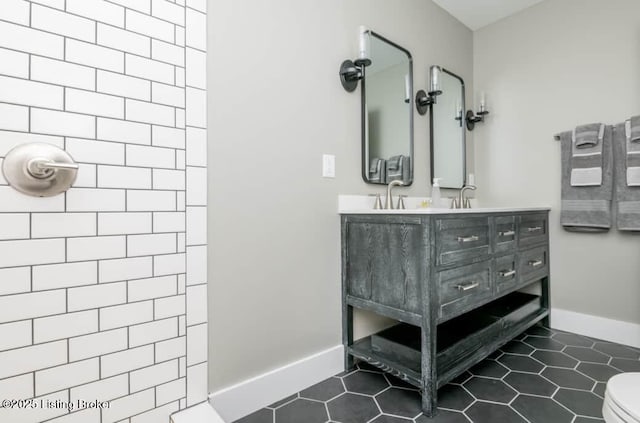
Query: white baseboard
[251, 395]
[200, 413]
[596, 327]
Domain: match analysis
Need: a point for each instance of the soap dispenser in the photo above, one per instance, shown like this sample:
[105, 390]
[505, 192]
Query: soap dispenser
[436, 200]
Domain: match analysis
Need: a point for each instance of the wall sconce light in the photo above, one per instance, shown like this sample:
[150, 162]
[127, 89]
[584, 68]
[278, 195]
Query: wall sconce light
[473, 118]
[424, 100]
[353, 71]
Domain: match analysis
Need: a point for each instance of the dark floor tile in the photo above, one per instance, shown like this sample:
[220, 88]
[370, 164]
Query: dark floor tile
[489, 368]
[616, 350]
[573, 339]
[543, 343]
[528, 383]
[599, 389]
[462, 378]
[454, 397]
[490, 389]
[541, 410]
[347, 372]
[587, 354]
[283, 401]
[626, 365]
[517, 347]
[521, 363]
[394, 381]
[539, 330]
[400, 402]
[390, 419]
[580, 402]
[302, 410]
[484, 412]
[364, 382]
[444, 416]
[324, 390]
[494, 355]
[581, 419]
[598, 372]
[351, 408]
[567, 378]
[555, 358]
[260, 416]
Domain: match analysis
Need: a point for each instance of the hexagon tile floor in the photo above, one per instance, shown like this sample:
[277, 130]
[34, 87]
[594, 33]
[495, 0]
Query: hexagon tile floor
[544, 376]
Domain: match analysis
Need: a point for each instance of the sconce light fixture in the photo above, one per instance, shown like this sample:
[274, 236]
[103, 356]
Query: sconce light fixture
[424, 100]
[473, 118]
[353, 71]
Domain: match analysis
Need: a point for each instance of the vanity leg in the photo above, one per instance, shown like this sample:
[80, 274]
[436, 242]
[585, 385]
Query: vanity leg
[429, 376]
[347, 334]
[544, 282]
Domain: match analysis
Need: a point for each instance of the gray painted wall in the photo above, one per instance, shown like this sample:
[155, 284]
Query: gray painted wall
[275, 106]
[545, 70]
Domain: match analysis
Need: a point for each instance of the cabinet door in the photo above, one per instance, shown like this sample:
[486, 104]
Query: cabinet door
[386, 261]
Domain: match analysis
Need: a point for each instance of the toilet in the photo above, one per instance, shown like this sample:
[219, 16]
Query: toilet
[622, 399]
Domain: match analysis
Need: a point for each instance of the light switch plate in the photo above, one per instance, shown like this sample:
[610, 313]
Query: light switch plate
[328, 166]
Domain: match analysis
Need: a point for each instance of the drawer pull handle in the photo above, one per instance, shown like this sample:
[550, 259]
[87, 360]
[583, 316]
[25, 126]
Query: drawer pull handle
[535, 263]
[468, 238]
[507, 233]
[507, 273]
[467, 287]
[534, 229]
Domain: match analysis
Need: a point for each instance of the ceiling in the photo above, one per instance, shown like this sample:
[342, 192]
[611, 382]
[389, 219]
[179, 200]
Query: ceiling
[478, 13]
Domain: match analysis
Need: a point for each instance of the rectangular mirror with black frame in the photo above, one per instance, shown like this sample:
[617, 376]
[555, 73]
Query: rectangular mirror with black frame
[448, 134]
[387, 113]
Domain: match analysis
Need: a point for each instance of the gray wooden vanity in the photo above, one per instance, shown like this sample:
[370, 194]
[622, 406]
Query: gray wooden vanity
[451, 279]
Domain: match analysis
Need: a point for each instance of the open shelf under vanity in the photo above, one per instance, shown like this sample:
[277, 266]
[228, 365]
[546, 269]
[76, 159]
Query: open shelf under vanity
[461, 342]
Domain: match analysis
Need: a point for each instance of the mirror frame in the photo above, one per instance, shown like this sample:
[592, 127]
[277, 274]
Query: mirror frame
[464, 134]
[364, 120]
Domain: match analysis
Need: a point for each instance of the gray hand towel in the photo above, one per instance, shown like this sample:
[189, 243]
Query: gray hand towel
[627, 197]
[635, 129]
[589, 135]
[586, 208]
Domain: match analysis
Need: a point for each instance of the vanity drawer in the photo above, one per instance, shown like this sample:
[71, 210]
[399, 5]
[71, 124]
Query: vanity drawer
[506, 272]
[534, 264]
[461, 239]
[463, 288]
[505, 234]
[532, 229]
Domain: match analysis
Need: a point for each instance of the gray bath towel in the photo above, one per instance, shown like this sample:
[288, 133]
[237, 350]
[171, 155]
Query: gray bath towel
[586, 208]
[627, 197]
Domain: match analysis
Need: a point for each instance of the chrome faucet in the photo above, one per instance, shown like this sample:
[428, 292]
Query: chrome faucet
[462, 202]
[388, 203]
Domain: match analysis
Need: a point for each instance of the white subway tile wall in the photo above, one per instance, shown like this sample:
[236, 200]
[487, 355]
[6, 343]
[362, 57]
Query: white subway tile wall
[103, 288]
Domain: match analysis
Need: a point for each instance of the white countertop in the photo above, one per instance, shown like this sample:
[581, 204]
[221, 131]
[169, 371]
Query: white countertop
[362, 204]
